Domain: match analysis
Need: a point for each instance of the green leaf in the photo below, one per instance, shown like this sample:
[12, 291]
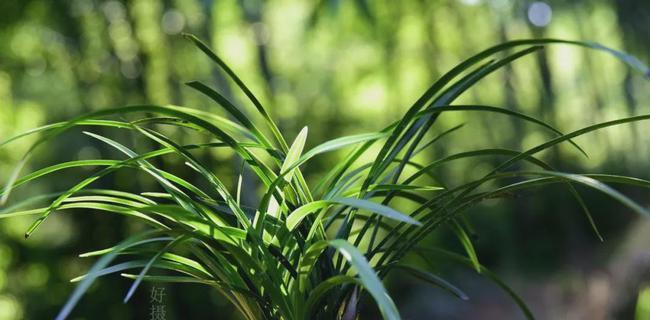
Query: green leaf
[467, 243]
[213, 56]
[230, 107]
[136, 240]
[322, 288]
[171, 279]
[146, 268]
[307, 262]
[294, 154]
[368, 278]
[325, 147]
[595, 184]
[338, 144]
[300, 213]
[433, 279]
[448, 255]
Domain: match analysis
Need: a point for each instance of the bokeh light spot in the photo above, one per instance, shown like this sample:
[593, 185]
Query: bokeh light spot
[173, 22]
[470, 2]
[10, 308]
[114, 10]
[539, 14]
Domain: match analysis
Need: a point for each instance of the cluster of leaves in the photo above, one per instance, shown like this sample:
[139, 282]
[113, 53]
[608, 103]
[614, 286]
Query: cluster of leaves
[304, 252]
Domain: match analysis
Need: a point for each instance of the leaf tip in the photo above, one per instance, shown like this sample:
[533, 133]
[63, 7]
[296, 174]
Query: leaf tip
[128, 296]
[188, 36]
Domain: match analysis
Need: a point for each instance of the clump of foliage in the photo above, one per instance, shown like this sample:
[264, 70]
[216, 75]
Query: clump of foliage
[304, 252]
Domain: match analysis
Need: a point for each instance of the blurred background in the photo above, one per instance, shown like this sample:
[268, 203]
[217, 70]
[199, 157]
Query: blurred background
[340, 67]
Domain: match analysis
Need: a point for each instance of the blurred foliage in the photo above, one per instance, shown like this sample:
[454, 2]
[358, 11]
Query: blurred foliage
[643, 304]
[339, 67]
